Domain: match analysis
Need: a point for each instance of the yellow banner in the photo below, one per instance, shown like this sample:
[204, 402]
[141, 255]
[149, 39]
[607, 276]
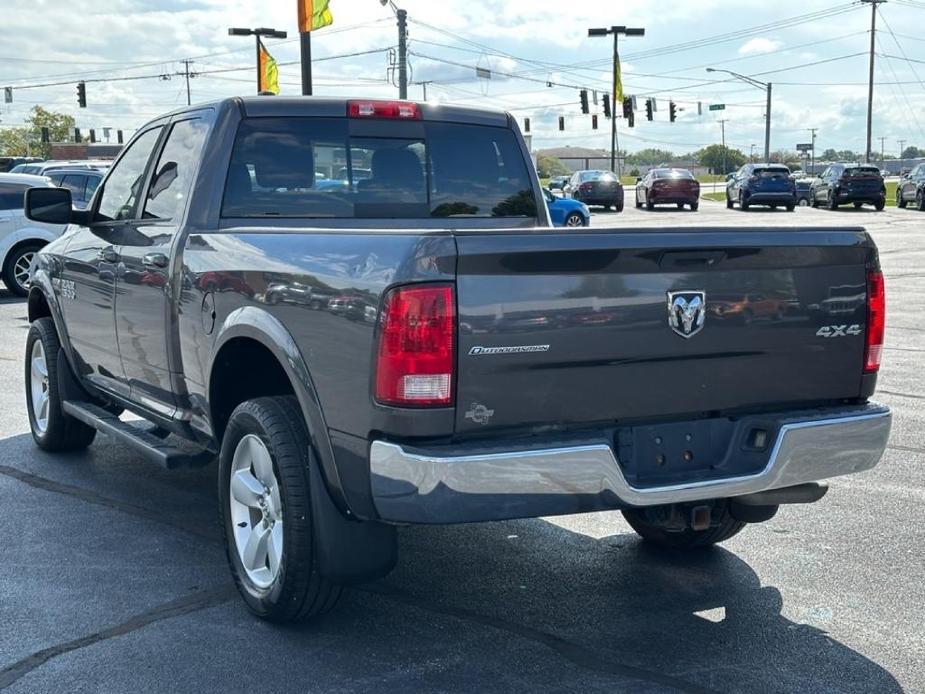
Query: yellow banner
[267, 72]
[617, 87]
[314, 14]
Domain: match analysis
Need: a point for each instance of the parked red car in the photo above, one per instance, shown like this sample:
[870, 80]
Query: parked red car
[668, 186]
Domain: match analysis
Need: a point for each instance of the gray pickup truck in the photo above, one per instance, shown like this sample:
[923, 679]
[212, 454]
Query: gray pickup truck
[412, 343]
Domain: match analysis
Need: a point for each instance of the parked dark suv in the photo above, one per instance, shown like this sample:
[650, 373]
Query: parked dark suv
[596, 188]
[911, 188]
[844, 183]
[761, 184]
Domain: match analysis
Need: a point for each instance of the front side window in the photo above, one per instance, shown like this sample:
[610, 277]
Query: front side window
[75, 183]
[123, 187]
[173, 174]
[314, 168]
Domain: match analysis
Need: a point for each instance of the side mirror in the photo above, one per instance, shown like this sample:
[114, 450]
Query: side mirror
[730, 176]
[550, 198]
[638, 179]
[48, 205]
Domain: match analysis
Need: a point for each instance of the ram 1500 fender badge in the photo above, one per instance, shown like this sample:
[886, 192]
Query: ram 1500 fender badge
[838, 330]
[67, 289]
[687, 311]
[519, 349]
[480, 414]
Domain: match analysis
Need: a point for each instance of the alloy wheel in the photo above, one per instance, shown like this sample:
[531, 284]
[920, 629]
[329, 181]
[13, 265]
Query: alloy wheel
[256, 511]
[38, 383]
[21, 268]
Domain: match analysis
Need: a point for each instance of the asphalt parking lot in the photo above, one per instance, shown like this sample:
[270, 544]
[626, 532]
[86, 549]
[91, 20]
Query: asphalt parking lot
[115, 579]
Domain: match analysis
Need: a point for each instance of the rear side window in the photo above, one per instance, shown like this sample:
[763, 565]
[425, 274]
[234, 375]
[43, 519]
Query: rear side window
[314, 168]
[11, 196]
[173, 174]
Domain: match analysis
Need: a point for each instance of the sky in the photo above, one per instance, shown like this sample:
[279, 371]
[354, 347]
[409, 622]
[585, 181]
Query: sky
[814, 52]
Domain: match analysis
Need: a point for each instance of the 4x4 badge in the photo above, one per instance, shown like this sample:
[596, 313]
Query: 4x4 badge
[687, 312]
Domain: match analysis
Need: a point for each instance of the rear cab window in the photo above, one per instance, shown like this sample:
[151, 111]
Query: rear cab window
[314, 167]
[771, 172]
[861, 172]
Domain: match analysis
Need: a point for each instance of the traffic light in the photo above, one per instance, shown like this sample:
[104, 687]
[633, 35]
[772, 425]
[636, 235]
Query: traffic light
[119, 136]
[631, 120]
[627, 106]
[92, 136]
[649, 112]
[526, 125]
[77, 138]
[594, 121]
[606, 105]
[584, 101]
[561, 122]
[82, 94]
[46, 135]
[672, 111]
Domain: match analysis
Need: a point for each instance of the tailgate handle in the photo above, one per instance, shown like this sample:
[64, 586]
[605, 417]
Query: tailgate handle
[688, 259]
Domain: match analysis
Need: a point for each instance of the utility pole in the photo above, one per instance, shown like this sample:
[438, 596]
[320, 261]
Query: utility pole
[402, 17]
[813, 150]
[722, 125]
[870, 85]
[616, 31]
[402, 53]
[424, 87]
[186, 73]
[766, 86]
[902, 156]
[882, 141]
[305, 55]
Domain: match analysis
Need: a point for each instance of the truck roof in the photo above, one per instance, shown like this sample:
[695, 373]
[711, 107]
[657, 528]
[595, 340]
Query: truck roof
[320, 106]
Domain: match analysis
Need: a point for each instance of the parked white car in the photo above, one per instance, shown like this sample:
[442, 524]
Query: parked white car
[20, 238]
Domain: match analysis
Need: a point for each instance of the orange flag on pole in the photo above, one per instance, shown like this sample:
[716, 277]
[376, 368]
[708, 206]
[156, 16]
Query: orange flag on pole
[267, 72]
[314, 14]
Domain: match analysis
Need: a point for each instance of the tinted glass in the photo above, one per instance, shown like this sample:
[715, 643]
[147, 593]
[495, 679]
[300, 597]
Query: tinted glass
[673, 173]
[11, 195]
[123, 186]
[93, 183]
[771, 171]
[862, 171]
[74, 183]
[173, 176]
[453, 170]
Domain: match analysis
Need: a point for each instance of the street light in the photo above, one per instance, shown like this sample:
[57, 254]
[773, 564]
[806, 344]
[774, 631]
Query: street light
[616, 31]
[761, 85]
[257, 33]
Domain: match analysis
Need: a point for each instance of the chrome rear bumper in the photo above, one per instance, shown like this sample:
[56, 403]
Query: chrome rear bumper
[414, 486]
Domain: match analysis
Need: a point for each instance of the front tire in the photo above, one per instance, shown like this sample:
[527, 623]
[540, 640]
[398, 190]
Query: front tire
[574, 220]
[729, 203]
[266, 511]
[900, 200]
[684, 539]
[920, 201]
[16, 268]
[618, 207]
[832, 201]
[52, 429]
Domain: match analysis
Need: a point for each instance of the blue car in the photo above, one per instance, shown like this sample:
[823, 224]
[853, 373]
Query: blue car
[566, 212]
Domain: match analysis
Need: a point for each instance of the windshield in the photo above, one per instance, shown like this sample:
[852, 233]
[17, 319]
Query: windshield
[772, 172]
[447, 170]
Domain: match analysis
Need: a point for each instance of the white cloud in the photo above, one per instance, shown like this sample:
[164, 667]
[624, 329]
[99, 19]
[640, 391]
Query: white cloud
[759, 45]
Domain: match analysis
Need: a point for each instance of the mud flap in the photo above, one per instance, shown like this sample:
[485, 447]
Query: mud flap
[349, 552]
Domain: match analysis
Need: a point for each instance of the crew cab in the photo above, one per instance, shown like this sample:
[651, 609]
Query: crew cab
[471, 363]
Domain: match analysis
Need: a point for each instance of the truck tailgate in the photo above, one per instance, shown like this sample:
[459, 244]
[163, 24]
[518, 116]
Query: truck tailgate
[564, 329]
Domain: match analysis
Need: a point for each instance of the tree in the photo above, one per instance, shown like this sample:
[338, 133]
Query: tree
[27, 141]
[912, 152]
[829, 155]
[14, 142]
[547, 166]
[712, 158]
[650, 157]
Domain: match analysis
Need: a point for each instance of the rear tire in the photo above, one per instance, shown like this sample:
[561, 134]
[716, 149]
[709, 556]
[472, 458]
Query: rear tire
[685, 539]
[16, 268]
[858, 205]
[900, 200]
[729, 203]
[680, 205]
[803, 202]
[52, 429]
[831, 202]
[618, 207]
[267, 448]
[920, 200]
[638, 203]
[880, 204]
[695, 206]
[791, 208]
[743, 204]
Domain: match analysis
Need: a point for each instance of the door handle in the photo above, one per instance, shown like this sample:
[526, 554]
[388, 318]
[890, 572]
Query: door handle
[155, 261]
[108, 255]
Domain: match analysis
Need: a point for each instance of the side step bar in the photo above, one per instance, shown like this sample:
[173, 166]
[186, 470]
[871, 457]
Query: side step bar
[151, 446]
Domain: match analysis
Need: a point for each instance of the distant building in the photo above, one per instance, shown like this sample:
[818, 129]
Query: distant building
[84, 150]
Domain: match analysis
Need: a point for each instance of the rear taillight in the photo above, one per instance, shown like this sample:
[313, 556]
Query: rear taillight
[585, 186]
[417, 346]
[401, 110]
[876, 321]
